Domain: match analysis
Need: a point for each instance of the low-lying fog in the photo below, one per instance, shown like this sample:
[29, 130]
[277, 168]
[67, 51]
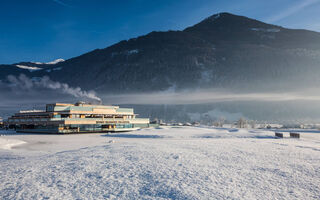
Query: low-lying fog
[23, 92]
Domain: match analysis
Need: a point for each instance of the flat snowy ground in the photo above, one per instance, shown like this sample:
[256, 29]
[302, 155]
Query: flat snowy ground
[164, 163]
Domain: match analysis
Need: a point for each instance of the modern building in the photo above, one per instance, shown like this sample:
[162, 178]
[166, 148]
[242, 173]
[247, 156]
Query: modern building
[77, 118]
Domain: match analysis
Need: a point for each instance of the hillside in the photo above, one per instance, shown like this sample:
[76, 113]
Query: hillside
[222, 51]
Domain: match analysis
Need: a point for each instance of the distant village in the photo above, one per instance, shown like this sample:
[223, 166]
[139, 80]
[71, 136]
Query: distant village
[241, 123]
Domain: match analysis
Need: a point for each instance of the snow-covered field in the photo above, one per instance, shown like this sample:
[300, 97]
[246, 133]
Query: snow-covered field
[164, 163]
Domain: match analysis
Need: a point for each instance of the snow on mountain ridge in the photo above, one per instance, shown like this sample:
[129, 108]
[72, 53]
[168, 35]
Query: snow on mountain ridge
[38, 63]
[31, 69]
[55, 61]
[51, 62]
[270, 30]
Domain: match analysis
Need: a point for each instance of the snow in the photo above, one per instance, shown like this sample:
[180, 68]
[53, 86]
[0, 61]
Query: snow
[31, 111]
[51, 62]
[270, 30]
[162, 163]
[133, 51]
[127, 52]
[57, 68]
[55, 61]
[54, 69]
[37, 63]
[9, 143]
[217, 16]
[214, 17]
[31, 69]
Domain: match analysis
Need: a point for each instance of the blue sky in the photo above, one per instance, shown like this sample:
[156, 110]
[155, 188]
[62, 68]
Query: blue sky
[44, 30]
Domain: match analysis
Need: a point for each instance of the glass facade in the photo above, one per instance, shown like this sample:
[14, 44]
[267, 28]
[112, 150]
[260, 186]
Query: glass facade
[77, 118]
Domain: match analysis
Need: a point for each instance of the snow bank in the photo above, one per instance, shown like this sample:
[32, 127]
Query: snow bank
[7, 144]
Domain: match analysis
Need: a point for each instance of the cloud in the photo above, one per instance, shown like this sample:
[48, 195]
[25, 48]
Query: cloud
[205, 97]
[61, 3]
[292, 10]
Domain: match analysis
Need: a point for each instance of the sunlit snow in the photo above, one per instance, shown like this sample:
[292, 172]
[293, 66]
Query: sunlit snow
[163, 163]
[55, 61]
[29, 68]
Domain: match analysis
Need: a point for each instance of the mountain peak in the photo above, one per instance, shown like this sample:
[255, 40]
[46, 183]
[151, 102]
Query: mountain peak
[228, 22]
[220, 15]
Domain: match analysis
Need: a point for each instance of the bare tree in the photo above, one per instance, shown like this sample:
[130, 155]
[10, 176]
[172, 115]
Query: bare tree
[242, 123]
[253, 124]
[221, 121]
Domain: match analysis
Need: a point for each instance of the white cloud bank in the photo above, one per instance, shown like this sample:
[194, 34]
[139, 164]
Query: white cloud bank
[204, 97]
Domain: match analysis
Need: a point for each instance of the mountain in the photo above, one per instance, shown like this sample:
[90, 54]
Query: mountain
[28, 68]
[222, 51]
